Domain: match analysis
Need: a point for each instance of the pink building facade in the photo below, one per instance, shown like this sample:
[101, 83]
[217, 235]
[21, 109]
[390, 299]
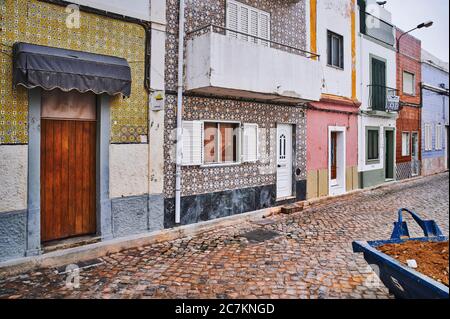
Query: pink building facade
[332, 147]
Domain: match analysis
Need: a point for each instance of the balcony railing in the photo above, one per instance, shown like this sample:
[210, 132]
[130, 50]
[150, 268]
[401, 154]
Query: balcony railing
[212, 28]
[378, 29]
[383, 98]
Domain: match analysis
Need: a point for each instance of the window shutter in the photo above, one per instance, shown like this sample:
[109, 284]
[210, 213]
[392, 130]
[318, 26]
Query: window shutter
[232, 18]
[264, 31]
[250, 141]
[254, 25]
[192, 143]
[243, 14]
[438, 137]
[428, 138]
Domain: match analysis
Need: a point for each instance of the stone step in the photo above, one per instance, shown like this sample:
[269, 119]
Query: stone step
[292, 208]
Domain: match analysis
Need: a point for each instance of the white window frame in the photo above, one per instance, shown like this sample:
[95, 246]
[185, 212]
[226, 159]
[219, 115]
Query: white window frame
[406, 151]
[340, 53]
[249, 25]
[438, 141]
[238, 141]
[413, 93]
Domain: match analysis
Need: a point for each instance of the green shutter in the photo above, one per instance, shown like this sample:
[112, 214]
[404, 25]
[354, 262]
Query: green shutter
[378, 88]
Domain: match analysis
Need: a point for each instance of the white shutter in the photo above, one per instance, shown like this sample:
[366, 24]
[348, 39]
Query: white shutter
[250, 143]
[264, 28]
[243, 22]
[254, 25]
[438, 137]
[192, 143]
[232, 18]
[428, 138]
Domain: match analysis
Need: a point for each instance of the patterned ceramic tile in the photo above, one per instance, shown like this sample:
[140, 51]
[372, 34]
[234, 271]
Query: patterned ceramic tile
[199, 180]
[42, 23]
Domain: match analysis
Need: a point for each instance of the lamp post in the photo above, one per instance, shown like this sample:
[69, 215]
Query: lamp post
[420, 26]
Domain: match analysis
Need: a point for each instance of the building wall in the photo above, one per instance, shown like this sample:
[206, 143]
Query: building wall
[42, 23]
[234, 183]
[335, 16]
[434, 111]
[409, 120]
[337, 107]
[213, 192]
[371, 174]
[318, 123]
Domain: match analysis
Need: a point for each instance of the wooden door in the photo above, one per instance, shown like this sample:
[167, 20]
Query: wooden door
[68, 161]
[333, 150]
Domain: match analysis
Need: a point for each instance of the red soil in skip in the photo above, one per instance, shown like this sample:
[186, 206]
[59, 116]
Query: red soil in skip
[431, 258]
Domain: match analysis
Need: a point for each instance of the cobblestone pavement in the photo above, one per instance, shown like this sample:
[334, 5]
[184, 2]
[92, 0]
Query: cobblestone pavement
[310, 258]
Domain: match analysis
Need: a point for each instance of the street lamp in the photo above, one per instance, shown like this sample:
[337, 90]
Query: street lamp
[420, 26]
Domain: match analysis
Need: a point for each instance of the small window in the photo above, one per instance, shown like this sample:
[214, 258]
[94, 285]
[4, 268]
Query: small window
[408, 83]
[220, 143]
[372, 145]
[335, 49]
[438, 137]
[406, 145]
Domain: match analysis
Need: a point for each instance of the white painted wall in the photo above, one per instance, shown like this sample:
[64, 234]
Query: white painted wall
[369, 48]
[365, 48]
[13, 177]
[139, 9]
[382, 123]
[128, 166]
[157, 85]
[335, 16]
[215, 60]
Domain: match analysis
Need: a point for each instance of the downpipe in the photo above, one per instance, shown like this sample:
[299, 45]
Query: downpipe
[179, 144]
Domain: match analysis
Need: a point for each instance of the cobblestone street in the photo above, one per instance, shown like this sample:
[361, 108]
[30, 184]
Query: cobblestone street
[310, 257]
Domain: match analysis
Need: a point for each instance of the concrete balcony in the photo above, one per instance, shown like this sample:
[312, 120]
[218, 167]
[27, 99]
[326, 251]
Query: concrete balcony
[223, 63]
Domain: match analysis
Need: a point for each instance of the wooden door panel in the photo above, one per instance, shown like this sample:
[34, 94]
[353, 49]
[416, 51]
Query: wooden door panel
[67, 178]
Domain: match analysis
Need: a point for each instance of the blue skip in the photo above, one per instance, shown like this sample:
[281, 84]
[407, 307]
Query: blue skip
[404, 282]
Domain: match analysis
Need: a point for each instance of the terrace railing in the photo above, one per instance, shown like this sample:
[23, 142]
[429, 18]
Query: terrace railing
[212, 28]
[383, 98]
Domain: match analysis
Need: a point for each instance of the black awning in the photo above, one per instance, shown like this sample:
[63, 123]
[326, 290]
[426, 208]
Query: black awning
[51, 68]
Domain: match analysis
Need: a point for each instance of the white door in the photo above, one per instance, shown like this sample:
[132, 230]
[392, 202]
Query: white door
[284, 161]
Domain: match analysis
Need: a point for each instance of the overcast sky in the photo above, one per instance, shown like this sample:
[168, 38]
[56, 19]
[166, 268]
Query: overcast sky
[408, 13]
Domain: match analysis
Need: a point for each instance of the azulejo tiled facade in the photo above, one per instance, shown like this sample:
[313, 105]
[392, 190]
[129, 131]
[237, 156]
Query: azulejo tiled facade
[200, 180]
[212, 192]
[43, 23]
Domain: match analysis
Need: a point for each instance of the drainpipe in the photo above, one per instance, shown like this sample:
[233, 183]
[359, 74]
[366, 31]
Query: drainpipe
[179, 146]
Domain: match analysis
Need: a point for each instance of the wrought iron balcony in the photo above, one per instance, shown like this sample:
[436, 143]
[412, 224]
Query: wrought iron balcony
[383, 98]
